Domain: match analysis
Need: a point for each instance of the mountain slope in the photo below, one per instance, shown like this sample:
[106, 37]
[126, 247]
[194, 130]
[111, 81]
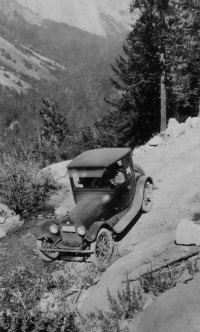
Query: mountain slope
[62, 49]
[83, 14]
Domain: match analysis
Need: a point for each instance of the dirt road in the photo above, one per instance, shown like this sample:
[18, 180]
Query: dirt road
[175, 169]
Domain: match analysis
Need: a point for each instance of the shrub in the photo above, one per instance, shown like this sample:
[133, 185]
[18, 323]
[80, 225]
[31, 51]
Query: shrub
[20, 295]
[126, 305]
[157, 282]
[23, 187]
[38, 323]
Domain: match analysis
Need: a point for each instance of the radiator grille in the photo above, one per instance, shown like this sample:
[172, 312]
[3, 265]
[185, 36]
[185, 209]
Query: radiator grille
[71, 239]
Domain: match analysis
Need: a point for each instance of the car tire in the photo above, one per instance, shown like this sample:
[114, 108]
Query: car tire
[147, 201]
[102, 247]
[46, 255]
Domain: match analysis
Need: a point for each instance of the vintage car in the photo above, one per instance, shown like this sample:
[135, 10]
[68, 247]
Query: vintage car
[109, 192]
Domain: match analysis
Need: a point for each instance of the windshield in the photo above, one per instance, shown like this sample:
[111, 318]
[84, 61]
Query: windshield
[98, 178]
[88, 179]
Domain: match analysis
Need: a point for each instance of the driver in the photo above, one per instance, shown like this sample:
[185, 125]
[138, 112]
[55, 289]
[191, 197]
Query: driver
[117, 177]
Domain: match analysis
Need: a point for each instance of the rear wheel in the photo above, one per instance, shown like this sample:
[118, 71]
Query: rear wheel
[147, 201]
[102, 247]
[43, 247]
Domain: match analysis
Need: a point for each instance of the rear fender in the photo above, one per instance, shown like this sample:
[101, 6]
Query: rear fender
[140, 189]
[94, 230]
[136, 205]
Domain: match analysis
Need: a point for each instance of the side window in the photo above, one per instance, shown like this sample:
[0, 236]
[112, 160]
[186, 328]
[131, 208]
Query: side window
[128, 166]
[117, 176]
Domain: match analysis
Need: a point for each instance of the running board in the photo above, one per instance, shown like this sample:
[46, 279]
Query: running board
[70, 251]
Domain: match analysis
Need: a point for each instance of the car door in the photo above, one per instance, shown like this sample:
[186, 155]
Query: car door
[122, 187]
[130, 177]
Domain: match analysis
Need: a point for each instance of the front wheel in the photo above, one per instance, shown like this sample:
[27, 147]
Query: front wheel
[43, 247]
[147, 201]
[102, 247]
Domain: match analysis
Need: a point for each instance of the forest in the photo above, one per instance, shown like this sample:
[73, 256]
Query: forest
[155, 77]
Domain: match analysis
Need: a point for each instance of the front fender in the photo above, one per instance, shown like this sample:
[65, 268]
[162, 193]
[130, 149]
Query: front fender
[94, 230]
[44, 231]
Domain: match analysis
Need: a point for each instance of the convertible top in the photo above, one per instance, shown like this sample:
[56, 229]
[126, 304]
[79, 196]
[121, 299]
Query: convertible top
[98, 158]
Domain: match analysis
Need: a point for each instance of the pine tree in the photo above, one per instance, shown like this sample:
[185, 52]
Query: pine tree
[54, 125]
[186, 74]
[140, 77]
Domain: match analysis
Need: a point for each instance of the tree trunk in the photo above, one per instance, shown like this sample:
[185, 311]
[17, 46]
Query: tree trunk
[163, 97]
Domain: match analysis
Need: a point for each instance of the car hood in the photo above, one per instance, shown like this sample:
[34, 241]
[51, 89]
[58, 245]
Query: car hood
[89, 210]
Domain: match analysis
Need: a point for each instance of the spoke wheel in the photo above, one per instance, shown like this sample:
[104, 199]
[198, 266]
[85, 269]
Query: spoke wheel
[43, 247]
[103, 246]
[147, 197]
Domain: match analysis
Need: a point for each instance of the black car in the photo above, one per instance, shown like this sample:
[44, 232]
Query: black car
[109, 191]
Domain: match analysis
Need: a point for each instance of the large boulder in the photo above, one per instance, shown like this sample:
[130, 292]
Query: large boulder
[188, 123]
[156, 140]
[176, 310]
[8, 220]
[149, 253]
[187, 232]
[175, 129]
[60, 200]
[195, 122]
[9, 223]
[59, 172]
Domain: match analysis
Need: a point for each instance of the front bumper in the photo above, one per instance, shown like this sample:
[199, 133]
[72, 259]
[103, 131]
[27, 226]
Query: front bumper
[71, 251]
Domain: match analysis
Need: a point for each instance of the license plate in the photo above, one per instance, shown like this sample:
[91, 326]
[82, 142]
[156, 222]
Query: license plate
[69, 229]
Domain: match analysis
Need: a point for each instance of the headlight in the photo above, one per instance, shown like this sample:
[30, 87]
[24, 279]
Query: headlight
[54, 229]
[81, 230]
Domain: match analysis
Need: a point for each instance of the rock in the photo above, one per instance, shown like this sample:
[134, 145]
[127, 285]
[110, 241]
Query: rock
[2, 220]
[175, 129]
[10, 223]
[124, 325]
[5, 211]
[172, 123]
[135, 263]
[61, 211]
[188, 123]
[175, 310]
[156, 140]
[185, 277]
[180, 129]
[50, 302]
[187, 232]
[195, 122]
[148, 302]
[59, 172]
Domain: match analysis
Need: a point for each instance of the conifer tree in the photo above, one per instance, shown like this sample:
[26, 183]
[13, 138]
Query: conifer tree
[140, 76]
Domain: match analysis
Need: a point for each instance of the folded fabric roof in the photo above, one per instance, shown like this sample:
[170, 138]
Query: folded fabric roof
[98, 158]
